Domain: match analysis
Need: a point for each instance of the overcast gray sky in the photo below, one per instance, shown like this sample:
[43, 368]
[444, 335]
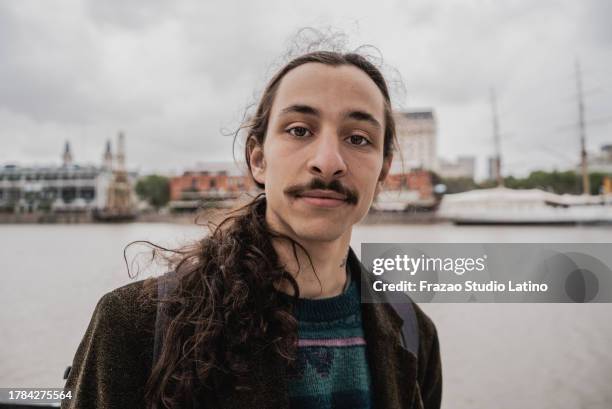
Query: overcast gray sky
[174, 74]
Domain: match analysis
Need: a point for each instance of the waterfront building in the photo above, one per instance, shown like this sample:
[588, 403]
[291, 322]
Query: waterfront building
[416, 134]
[462, 167]
[69, 187]
[408, 191]
[210, 183]
[602, 162]
[492, 168]
[120, 197]
[409, 184]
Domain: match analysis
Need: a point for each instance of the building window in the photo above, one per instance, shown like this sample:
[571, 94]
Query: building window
[50, 193]
[87, 193]
[13, 194]
[69, 194]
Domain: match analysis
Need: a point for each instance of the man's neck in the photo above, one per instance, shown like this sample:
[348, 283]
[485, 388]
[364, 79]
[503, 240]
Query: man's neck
[328, 259]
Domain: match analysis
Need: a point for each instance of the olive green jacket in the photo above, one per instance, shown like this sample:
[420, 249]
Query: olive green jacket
[114, 359]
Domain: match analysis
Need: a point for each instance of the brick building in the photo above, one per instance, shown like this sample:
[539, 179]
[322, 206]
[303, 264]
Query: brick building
[215, 183]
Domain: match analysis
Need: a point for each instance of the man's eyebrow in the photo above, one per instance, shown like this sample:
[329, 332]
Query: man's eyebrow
[364, 116]
[301, 109]
[308, 110]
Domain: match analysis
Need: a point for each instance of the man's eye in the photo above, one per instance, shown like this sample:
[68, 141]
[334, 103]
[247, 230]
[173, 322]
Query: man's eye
[299, 131]
[358, 140]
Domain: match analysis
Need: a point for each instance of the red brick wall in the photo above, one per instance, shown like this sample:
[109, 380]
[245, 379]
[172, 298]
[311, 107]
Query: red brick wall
[203, 182]
[416, 180]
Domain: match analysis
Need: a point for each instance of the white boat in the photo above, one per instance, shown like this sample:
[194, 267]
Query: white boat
[402, 200]
[501, 205]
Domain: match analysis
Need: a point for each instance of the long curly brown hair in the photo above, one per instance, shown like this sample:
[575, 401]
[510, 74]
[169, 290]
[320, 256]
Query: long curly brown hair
[225, 308]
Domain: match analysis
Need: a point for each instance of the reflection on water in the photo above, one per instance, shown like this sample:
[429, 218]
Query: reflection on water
[494, 355]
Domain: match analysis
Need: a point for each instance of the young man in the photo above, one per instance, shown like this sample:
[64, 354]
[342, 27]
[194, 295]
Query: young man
[265, 312]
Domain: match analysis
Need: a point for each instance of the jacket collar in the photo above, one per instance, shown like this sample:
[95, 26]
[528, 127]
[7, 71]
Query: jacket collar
[393, 369]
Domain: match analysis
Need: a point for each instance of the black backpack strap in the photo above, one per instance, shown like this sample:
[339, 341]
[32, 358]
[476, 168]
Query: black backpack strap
[165, 285]
[400, 302]
[410, 327]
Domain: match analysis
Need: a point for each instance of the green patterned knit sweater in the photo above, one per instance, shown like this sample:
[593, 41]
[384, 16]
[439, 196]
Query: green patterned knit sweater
[331, 369]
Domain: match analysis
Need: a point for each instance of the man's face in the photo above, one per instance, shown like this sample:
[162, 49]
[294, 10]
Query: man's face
[323, 153]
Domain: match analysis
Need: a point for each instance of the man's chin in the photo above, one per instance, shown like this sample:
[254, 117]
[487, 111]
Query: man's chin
[322, 231]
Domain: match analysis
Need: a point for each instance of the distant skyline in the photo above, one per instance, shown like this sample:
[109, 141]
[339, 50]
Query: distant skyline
[176, 77]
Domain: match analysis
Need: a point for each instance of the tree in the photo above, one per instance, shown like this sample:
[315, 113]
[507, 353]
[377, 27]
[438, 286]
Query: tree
[597, 182]
[458, 184]
[155, 189]
[555, 181]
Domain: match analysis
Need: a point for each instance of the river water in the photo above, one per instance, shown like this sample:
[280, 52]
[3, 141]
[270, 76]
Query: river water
[494, 355]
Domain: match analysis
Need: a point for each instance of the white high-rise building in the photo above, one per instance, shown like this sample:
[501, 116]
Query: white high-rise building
[416, 134]
[463, 167]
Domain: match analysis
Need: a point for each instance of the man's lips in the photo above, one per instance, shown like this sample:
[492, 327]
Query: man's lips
[322, 198]
[323, 194]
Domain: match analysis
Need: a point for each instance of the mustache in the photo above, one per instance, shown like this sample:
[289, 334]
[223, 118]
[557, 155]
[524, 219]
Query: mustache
[352, 197]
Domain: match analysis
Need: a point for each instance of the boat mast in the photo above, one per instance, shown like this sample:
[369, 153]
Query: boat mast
[586, 188]
[500, 180]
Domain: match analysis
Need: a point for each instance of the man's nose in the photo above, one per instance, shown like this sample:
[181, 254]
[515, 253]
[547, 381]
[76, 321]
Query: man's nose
[327, 161]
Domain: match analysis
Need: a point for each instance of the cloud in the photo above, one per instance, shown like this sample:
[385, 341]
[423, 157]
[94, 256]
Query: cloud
[172, 75]
[131, 15]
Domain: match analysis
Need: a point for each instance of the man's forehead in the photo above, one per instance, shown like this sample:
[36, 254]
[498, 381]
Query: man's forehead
[319, 85]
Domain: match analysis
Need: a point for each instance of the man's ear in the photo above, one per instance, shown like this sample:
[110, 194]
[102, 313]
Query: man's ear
[383, 173]
[258, 162]
[385, 168]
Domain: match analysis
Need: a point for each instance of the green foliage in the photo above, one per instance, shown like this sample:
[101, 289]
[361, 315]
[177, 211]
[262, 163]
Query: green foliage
[456, 185]
[555, 181]
[155, 189]
[596, 180]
